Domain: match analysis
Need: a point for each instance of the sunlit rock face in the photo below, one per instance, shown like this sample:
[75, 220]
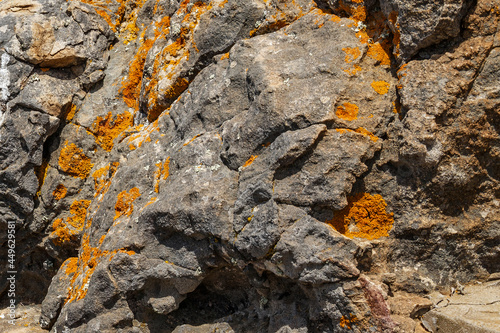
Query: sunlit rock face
[248, 165]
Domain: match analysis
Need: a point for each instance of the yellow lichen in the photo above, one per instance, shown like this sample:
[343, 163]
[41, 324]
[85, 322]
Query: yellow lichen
[347, 111]
[60, 192]
[107, 129]
[61, 233]
[365, 216]
[131, 86]
[161, 173]
[41, 173]
[381, 87]
[152, 200]
[351, 53]
[143, 135]
[74, 162]
[124, 202]
[359, 130]
[353, 70]
[103, 176]
[78, 211]
[250, 160]
[165, 66]
[194, 138]
[348, 321]
[71, 265]
[71, 113]
[380, 53]
[86, 264]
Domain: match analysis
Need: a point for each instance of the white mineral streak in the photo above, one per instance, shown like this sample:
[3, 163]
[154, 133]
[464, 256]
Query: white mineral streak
[4, 83]
[4, 77]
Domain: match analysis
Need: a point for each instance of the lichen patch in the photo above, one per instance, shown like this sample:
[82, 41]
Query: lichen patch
[365, 216]
[74, 162]
[347, 111]
[124, 202]
[106, 129]
[381, 87]
[59, 192]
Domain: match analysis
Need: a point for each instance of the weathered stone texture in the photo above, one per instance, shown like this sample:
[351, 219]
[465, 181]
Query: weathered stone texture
[249, 166]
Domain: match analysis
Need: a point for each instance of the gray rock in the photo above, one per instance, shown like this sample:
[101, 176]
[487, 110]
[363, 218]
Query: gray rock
[420, 24]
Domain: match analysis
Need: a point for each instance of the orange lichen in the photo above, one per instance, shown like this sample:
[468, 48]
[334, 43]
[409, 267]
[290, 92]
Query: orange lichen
[152, 200]
[60, 192]
[130, 29]
[365, 216]
[71, 113]
[335, 18]
[167, 83]
[78, 211]
[351, 53]
[125, 15]
[250, 160]
[71, 265]
[347, 111]
[87, 262]
[172, 58]
[124, 202]
[61, 233]
[174, 90]
[401, 71]
[381, 87]
[283, 13]
[393, 18]
[359, 130]
[102, 13]
[369, 134]
[356, 12]
[107, 129]
[194, 138]
[41, 173]
[348, 321]
[166, 169]
[376, 25]
[353, 70]
[396, 106]
[224, 56]
[161, 173]
[136, 140]
[380, 53]
[103, 176]
[131, 86]
[74, 162]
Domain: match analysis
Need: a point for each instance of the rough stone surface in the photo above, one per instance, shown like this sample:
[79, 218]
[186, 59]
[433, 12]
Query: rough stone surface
[470, 310]
[248, 166]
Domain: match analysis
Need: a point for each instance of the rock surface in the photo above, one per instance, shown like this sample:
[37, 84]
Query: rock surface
[248, 166]
[470, 310]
